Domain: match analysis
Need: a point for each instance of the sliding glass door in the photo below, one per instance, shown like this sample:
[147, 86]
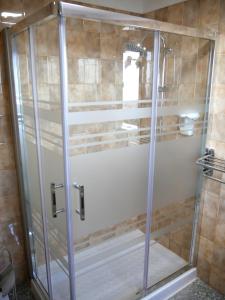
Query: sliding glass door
[46, 56]
[26, 122]
[40, 120]
[110, 89]
[182, 107]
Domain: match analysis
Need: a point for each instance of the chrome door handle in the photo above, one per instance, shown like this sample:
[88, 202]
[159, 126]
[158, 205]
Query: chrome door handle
[53, 188]
[80, 211]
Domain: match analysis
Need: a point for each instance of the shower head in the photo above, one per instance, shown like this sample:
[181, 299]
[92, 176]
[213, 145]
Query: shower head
[135, 48]
[138, 61]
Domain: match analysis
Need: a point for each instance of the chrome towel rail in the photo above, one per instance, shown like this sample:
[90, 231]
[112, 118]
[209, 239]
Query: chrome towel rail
[210, 163]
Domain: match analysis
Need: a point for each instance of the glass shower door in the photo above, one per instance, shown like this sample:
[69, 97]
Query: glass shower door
[50, 115]
[29, 156]
[182, 107]
[40, 117]
[110, 82]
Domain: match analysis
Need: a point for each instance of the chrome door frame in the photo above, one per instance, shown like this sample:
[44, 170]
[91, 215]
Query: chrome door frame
[151, 163]
[69, 8]
[198, 202]
[65, 134]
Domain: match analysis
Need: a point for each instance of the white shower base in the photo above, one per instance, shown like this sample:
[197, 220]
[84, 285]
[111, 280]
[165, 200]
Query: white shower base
[113, 270]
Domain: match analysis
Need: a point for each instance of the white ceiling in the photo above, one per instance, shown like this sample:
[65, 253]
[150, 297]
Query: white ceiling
[139, 6]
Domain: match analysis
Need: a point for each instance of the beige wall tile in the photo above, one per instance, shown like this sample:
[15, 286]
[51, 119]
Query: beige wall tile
[219, 67]
[7, 157]
[211, 200]
[203, 268]
[208, 226]
[191, 13]
[162, 14]
[175, 14]
[217, 279]
[209, 14]
[206, 249]
[219, 232]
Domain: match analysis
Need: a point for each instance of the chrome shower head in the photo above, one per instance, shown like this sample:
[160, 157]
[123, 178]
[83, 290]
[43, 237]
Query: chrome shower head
[135, 48]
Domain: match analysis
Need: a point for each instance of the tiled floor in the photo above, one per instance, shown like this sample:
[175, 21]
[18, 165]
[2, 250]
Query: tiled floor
[23, 292]
[198, 290]
[195, 291]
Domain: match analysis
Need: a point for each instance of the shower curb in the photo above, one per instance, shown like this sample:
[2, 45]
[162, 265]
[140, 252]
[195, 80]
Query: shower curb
[173, 287]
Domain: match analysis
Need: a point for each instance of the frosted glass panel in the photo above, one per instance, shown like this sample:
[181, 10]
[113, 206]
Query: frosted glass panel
[182, 106]
[120, 192]
[110, 79]
[52, 158]
[26, 124]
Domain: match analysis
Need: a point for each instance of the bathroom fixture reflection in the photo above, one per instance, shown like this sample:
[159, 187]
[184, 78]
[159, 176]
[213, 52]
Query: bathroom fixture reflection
[163, 87]
[53, 188]
[127, 126]
[8, 14]
[81, 210]
[187, 123]
[166, 51]
[131, 75]
[136, 47]
[138, 61]
[129, 28]
[9, 23]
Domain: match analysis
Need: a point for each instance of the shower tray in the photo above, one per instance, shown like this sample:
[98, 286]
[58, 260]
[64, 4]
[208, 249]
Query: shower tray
[114, 265]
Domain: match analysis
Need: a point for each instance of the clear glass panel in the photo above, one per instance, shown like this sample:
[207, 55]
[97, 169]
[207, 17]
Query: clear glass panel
[52, 159]
[26, 123]
[110, 81]
[180, 128]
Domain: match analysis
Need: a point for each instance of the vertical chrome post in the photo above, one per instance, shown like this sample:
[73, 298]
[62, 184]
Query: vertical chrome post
[38, 147]
[195, 237]
[152, 145]
[65, 130]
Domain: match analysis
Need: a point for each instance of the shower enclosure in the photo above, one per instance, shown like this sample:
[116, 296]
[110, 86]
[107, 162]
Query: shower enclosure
[110, 113]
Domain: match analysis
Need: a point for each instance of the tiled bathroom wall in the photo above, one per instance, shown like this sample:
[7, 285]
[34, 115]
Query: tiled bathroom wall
[173, 230]
[209, 14]
[11, 230]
